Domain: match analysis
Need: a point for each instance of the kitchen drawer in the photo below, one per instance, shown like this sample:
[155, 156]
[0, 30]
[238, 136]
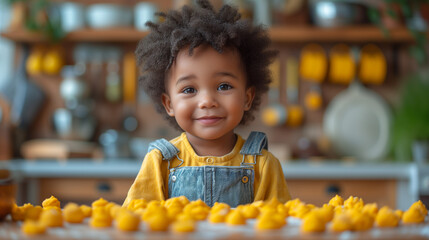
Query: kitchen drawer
[318, 192]
[84, 190]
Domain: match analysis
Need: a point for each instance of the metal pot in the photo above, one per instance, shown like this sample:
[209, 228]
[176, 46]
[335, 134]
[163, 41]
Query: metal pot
[334, 13]
[77, 124]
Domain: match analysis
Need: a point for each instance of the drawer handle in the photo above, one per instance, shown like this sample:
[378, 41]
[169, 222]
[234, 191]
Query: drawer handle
[104, 187]
[333, 189]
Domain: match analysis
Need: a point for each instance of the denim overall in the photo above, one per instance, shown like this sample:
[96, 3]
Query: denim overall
[229, 184]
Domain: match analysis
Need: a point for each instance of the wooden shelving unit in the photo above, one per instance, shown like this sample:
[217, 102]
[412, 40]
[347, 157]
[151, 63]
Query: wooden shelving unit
[279, 34]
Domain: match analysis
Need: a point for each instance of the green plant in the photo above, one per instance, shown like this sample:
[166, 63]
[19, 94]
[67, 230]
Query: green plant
[411, 115]
[38, 19]
[408, 10]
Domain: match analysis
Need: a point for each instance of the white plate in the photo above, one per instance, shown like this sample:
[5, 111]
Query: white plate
[357, 121]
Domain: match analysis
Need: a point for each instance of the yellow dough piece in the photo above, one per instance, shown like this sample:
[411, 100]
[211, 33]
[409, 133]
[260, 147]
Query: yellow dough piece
[336, 201]
[31, 227]
[300, 210]
[314, 221]
[17, 213]
[51, 202]
[354, 202]
[100, 218]
[197, 211]
[127, 221]
[87, 210]
[101, 202]
[269, 221]
[326, 212]
[73, 213]
[174, 202]
[185, 226]
[235, 217]
[371, 209]
[218, 216]
[220, 207]
[250, 211]
[158, 222]
[33, 213]
[361, 221]
[419, 205]
[258, 204]
[153, 210]
[386, 217]
[173, 212]
[51, 218]
[413, 216]
[293, 203]
[135, 204]
[341, 222]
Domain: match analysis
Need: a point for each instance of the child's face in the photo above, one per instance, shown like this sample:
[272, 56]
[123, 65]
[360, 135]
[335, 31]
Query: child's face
[207, 92]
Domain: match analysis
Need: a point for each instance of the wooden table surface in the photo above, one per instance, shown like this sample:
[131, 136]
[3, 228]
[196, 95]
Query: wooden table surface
[205, 230]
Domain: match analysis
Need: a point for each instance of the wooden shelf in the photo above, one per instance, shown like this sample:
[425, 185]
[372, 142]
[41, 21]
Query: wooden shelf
[295, 34]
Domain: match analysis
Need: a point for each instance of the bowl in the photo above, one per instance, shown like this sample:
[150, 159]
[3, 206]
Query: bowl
[334, 13]
[7, 193]
[108, 16]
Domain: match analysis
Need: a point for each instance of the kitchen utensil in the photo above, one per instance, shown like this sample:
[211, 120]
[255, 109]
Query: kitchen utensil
[72, 16]
[295, 114]
[144, 12]
[115, 144]
[313, 98]
[262, 13]
[357, 121]
[7, 193]
[72, 88]
[108, 15]
[373, 65]
[130, 122]
[313, 68]
[76, 124]
[313, 63]
[342, 64]
[28, 97]
[113, 80]
[334, 13]
[275, 113]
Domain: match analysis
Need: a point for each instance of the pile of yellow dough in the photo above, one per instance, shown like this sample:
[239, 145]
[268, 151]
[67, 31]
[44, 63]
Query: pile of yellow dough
[181, 215]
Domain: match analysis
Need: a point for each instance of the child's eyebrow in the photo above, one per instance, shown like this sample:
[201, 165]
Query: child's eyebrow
[184, 78]
[228, 74]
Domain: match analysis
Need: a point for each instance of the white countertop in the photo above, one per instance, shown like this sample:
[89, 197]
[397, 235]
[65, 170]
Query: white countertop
[127, 168]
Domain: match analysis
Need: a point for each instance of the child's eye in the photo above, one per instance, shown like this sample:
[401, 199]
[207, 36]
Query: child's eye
[224, 86]
[188, 90]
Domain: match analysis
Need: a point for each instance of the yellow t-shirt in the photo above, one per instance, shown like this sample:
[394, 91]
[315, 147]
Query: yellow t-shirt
[151, 182]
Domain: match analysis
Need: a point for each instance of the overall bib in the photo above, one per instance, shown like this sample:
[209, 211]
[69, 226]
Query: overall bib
[228, 184]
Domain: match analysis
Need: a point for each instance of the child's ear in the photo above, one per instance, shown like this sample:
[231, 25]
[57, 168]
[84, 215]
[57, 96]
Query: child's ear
[250, 95]
[166, 101]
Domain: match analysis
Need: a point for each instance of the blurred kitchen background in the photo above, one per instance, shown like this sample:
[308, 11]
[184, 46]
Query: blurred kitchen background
[348, 107]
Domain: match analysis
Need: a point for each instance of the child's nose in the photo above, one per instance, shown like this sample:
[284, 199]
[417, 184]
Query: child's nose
[207, 100]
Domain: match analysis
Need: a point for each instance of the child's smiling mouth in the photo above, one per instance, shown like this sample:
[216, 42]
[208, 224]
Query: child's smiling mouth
[209, 120]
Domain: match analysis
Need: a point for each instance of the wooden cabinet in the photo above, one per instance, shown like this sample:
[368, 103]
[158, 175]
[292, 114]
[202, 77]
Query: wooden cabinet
[317, 192]
[383, 192]
[84, 190]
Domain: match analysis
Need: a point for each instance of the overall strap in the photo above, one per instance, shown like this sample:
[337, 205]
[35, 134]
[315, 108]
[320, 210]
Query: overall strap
[254, 145]
[167, 149]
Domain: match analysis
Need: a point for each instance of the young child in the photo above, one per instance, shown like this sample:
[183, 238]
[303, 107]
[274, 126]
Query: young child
[206, 72]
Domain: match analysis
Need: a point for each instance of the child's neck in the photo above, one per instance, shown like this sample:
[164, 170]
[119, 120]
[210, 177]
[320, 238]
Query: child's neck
[212, 147]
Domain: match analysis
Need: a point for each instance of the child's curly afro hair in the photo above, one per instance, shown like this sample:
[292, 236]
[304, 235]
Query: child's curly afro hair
[194, 26]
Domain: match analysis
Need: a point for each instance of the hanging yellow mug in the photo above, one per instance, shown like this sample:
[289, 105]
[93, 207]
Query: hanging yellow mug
[342, 64]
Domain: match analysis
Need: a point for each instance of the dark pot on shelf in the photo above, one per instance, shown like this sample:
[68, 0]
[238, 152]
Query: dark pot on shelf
[7, 193]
